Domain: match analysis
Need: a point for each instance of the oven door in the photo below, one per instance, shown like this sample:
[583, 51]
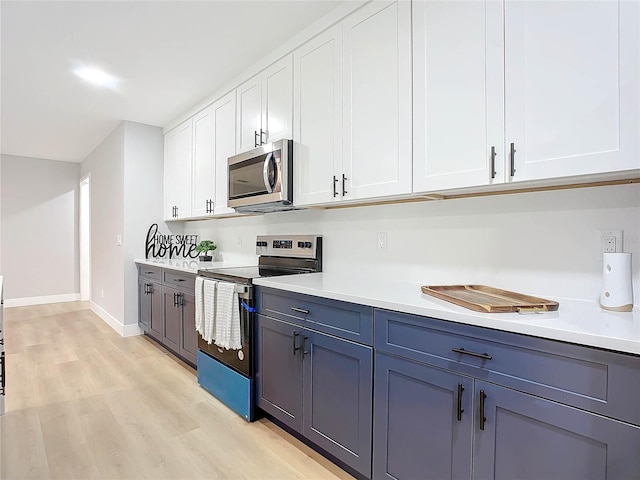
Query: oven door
[239, 360]
[260, 175]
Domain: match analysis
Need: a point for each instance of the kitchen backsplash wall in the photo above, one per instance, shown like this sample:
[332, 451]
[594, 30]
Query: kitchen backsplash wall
[542, 243]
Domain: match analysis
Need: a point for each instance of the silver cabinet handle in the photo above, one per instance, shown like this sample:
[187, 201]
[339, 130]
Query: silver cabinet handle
[512, 155]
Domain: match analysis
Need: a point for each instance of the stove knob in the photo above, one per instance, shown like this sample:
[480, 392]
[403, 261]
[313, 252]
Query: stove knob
[300, 244]
[308, 244]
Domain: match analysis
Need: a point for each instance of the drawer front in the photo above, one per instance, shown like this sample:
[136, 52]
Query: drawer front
[154, 273]
[342, 319]
[184, 281]
[596, 380]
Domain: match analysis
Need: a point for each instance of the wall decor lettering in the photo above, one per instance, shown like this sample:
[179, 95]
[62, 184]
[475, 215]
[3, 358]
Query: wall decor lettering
[159, 245]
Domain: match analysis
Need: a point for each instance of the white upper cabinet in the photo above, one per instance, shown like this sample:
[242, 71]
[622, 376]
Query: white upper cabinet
[458, 94]
[572, 86]
[195, 170]
[317, 107]
[177, 172]
[265, 106]
[203, 163]
[377, 101]
[224, 120]
[524, 90]
[277, 98]
[352, 108]
[249, 96]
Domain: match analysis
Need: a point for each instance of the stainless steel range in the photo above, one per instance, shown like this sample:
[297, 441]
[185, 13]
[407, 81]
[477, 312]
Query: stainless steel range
[229, 374]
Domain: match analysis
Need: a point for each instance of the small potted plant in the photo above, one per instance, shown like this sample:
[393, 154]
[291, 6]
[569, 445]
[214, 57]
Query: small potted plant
[204, 247]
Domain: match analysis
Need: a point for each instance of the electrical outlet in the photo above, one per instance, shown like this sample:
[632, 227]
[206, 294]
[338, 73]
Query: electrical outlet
[610, 241]
[382, 241]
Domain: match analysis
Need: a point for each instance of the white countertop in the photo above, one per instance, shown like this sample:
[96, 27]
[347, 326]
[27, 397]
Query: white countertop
[576, 321]
[186, 265]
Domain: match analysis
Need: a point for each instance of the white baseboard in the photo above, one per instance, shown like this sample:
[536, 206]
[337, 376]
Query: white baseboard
[121, 329]
[27, 301]
[131, 330]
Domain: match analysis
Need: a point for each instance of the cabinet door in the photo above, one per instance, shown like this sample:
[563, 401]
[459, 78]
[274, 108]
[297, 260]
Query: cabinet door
[338, 398]
[188, 334]
[527, 437]
[172, 319]
[144, 304]
[277, 99]
[224, 113]
[249, 97]
[203, 163]
[279, 370]
[177, 171]
[417, 430]
[377, 100]
[317, 135]
[458, 94]
[157, 311]
[572, 87]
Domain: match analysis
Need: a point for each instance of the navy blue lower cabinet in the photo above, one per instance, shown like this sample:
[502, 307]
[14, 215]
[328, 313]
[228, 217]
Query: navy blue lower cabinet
[530, 438]
[337, 398]
[172, 318]
[319, 385]
[279, 370]
[188, 334]
[144, 304]
[150, 307]
[423, 421]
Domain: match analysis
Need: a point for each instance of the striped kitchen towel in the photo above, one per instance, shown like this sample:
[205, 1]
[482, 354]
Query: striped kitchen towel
[209, 294]
[227, 323]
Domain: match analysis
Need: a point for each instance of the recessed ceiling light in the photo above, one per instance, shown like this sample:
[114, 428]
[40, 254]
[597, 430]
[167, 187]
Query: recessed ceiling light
[96, 76]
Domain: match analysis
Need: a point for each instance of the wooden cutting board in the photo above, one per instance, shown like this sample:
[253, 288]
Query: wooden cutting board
[481, 298]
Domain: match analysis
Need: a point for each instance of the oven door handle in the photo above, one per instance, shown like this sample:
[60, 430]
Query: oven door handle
[265, 173]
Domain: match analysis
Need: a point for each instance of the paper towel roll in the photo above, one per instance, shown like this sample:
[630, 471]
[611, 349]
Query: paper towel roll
[617, 290]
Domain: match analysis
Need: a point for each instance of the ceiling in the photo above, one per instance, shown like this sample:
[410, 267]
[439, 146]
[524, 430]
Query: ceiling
[167, 55]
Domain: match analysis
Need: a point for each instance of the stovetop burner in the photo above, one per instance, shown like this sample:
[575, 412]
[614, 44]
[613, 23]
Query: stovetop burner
[246, 274]
[279, 255]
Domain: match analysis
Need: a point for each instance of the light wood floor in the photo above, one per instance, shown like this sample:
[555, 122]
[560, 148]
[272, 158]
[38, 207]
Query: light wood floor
[82, 402]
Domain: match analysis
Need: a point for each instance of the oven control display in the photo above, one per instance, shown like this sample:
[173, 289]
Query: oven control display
[282, 244]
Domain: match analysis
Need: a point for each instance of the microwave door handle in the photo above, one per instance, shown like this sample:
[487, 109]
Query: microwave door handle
[265, 173]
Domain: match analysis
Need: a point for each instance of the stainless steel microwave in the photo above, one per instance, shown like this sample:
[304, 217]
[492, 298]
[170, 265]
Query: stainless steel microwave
[261, 180]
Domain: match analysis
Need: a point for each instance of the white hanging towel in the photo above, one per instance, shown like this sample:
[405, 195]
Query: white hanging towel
[209, 294]
[199, 306]
[227, 323]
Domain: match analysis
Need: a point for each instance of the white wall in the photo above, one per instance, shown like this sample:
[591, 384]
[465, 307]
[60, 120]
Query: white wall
[126, 198]
[542, 243]
[0, 210]
[143, 200]
[39, 245]
[106, 165]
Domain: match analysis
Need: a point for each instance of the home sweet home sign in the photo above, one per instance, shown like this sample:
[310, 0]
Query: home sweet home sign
[159, 245]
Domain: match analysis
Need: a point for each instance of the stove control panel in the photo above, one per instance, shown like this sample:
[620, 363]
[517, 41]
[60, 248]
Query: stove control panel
[304, 246]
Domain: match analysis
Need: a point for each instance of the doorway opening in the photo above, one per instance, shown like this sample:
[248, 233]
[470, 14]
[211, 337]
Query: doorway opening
[85, 237]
